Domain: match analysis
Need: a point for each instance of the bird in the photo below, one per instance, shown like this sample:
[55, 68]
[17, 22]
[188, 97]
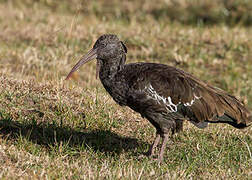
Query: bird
[165, 95]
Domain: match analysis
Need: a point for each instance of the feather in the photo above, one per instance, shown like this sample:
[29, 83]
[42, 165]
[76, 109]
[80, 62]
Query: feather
[170, 88]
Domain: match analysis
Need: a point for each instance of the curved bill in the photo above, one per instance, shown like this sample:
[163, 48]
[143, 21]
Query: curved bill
[92, 54]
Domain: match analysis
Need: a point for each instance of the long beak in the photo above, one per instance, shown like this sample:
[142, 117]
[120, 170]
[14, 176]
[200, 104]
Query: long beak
[92, 54]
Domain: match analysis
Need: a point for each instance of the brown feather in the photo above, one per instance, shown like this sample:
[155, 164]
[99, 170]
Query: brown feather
[211, 103]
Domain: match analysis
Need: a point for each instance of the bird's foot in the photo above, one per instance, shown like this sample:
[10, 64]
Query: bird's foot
[158, 160]
[151, 151]
[148, 154]
[152, 156]
[142, 156]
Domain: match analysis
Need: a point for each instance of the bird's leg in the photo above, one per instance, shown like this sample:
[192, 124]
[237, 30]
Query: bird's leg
[151, 150]
[161, 154]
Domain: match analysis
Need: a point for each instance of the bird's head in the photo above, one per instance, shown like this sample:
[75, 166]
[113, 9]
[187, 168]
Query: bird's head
[107, 48]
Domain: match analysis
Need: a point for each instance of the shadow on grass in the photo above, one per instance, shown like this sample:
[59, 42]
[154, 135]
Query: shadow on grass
[51, 135]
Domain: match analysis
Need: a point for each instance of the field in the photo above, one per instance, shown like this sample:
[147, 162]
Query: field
[56, 129]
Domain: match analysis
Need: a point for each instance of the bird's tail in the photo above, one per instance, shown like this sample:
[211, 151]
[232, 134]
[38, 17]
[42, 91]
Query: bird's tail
[235, 113]
[248, 123]
[241, 125]
[233, 122]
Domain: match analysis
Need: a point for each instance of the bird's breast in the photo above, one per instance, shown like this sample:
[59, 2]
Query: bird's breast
[116, 89]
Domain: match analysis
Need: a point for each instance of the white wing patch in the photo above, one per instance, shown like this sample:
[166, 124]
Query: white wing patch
[192, 101]
[169, 105]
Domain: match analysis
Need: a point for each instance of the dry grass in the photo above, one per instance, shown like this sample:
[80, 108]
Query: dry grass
[50, 128]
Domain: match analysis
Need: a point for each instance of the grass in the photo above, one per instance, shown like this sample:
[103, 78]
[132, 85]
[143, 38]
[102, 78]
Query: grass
[56, 129]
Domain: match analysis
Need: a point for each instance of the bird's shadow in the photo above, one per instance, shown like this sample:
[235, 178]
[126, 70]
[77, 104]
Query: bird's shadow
[51, 135]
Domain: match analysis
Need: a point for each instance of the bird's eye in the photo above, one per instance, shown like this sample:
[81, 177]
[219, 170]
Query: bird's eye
[102, 45]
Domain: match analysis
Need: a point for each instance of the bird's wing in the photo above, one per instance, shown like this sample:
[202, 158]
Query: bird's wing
[178, 91]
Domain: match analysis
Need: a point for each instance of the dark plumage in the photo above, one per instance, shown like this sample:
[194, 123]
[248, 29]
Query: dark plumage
[163, 94]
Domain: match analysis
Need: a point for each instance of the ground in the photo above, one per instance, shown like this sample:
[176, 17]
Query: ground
[56, 129]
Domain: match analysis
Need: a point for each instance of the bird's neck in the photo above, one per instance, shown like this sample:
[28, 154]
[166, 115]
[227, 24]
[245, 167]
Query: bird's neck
[109, 68]
[115, 85]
